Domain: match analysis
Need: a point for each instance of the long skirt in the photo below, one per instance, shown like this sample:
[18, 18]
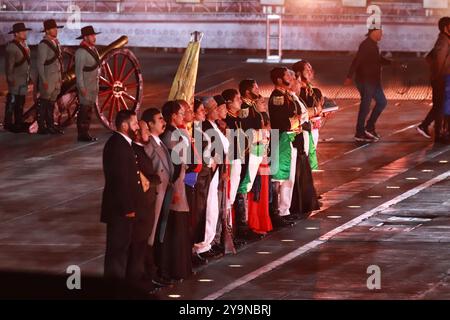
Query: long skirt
[173, 256]
[258, 205]
[304, 198]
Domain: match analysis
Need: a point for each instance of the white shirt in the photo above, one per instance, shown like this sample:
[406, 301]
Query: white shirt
[157, 139]
[126, 137]
[223, 138]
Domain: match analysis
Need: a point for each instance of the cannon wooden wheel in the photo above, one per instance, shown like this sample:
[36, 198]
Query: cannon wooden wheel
[66, 105]
[120, 84]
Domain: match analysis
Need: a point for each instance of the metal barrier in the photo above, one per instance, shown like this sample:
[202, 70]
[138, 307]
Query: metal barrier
[118, 6]
[292, 7]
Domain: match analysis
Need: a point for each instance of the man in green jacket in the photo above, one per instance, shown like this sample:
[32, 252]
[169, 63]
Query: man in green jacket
[50, 68]
[17, 69]
[87, 65]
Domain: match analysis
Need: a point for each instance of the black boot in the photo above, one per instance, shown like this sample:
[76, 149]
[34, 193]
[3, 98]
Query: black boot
[84, 123]
[241, 221]
[50, 119]
[9, 107]
[243, 232]
[41, 116]
[18, 113]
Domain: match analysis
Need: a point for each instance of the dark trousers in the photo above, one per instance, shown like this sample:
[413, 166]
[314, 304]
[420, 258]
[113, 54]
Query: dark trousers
[124, 257]
[150, 267]
[436, 112]
[84, 120]
[369, 92]
[45, 114]
[14, 107]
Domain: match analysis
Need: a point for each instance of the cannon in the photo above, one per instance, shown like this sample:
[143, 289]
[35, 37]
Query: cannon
[120, 86]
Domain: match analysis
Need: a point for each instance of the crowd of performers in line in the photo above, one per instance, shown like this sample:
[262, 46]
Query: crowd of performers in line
[186, 210]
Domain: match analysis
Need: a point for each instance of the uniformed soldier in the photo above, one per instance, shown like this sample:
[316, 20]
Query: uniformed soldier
[87, 66]
[283, 116]
[50, 68]
[17, 68]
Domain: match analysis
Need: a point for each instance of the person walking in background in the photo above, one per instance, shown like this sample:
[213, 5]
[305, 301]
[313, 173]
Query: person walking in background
[439, 62]
[366, 67]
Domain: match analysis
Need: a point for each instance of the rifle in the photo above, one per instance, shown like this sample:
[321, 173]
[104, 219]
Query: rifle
[227, 229]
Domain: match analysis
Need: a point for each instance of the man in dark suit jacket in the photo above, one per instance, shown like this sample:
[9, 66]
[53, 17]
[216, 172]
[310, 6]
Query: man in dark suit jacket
[146, 205]
[439, 63]
[121, 204]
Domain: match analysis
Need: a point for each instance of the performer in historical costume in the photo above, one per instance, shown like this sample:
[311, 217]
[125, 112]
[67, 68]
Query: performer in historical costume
[144, 224]
[253, 152]
[314, 100]
[258, 197]
[304, 198]
[224, 232]
[283, 117]
[87, 64]
[162, 164]
[236, 136]
[50, 68]
[216, 160]
[17, 69]
[174, 249]
[202, 182]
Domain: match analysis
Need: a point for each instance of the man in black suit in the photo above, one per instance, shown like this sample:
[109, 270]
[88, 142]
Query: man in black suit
[121, 203]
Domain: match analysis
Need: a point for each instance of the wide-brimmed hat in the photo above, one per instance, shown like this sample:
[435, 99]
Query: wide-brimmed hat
[19, 27]
[50, 24]
[87, 31]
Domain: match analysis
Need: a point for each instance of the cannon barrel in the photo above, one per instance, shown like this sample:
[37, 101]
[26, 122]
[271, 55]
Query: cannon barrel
[69, 77]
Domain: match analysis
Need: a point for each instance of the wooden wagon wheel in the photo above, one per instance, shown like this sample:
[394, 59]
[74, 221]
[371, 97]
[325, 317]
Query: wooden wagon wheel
[120, 86]
[66, 105]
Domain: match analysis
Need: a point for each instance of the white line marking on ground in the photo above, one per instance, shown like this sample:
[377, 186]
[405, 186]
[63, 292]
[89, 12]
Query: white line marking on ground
[324, 238]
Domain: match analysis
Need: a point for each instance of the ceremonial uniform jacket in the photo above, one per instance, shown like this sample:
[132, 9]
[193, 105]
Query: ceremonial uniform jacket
[49, 67]
[87, 63]
[17, 67]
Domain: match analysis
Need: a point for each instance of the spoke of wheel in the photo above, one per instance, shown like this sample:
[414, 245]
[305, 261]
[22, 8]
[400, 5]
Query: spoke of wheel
[111, 110]
[123, 103]
[104, 93]
[105, 103]
[122, 67]
[70, 104]
[102, 79]
[129, 73]
[127, 95]
[131, 85]
[116, 57]
[108, 72]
